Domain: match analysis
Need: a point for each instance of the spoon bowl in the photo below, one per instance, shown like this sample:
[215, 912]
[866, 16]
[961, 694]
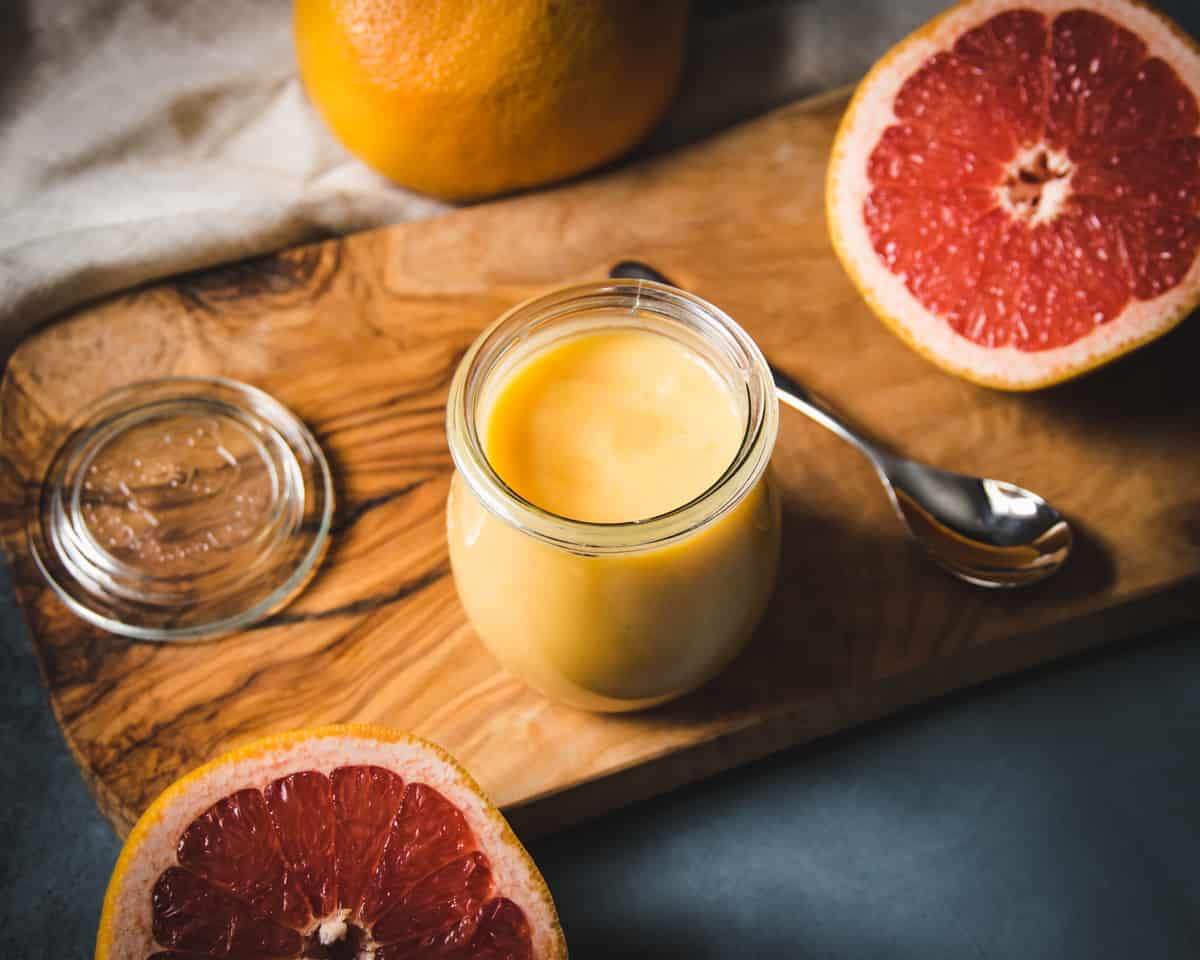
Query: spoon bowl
[987, 532]
[990, 533]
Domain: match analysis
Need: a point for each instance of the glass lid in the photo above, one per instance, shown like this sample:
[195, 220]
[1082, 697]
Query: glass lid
[183, 508]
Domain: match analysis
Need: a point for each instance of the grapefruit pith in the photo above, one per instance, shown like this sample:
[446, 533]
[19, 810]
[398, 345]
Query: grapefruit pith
[341, 843]
[1015, 188]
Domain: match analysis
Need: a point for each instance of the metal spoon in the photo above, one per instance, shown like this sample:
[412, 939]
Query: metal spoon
[987, 532]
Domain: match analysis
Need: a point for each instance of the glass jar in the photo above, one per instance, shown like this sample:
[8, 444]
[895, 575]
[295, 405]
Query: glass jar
[614, 616]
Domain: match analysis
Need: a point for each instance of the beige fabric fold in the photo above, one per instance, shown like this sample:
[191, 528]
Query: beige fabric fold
[142, 138]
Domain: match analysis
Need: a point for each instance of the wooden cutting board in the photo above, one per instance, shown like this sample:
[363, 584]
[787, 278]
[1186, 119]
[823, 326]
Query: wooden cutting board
[360, 336]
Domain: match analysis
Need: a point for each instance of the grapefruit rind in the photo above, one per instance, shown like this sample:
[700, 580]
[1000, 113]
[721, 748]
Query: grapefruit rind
[150, 847]
[870, 113]
[447, 98]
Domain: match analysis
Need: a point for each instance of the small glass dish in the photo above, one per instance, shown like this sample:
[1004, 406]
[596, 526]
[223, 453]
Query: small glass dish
[182, 509]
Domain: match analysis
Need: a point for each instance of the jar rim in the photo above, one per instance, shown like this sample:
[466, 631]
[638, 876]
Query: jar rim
[638, 298]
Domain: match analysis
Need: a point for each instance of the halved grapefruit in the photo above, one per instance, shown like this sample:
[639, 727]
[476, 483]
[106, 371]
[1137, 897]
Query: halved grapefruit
[1015, 188]
[342, 843]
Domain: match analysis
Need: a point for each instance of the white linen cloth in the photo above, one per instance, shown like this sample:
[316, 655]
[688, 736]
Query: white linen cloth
[141, 138]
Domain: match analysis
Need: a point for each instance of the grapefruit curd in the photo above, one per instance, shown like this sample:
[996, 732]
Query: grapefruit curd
[629, 446]
[612, 426]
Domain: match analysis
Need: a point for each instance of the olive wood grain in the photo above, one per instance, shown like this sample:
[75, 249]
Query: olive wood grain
[359, 336]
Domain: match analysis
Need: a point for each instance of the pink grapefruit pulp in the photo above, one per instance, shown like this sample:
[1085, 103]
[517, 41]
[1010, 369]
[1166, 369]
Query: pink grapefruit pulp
[339, 843]
[1015, 188]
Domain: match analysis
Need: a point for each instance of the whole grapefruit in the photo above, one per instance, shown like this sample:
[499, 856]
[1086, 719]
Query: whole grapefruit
[468, 98]
[1015, 188]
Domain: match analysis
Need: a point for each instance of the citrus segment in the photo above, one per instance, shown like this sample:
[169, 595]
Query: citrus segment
[1016, 188]
[301, 809]
[234, 847]
[427, 832]
[343, 862]
[197, 917]
[442, 908]
[365, 799]
[987, 93]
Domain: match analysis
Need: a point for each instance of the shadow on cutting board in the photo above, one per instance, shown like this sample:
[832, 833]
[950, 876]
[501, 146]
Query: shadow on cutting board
[1143, 392]
[867, 609]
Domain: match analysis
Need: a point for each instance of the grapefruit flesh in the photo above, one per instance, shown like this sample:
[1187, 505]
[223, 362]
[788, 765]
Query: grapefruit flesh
[395, 855]
[1016, 188]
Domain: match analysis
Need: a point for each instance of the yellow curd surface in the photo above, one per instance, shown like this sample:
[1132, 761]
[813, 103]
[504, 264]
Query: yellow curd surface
[614, 426]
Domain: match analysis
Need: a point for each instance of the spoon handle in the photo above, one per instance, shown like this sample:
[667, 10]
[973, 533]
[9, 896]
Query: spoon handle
[800, 398]
[789, 391]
